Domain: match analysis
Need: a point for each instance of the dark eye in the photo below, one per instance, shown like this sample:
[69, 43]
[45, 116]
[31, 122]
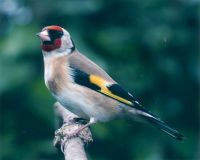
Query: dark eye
[54, 34]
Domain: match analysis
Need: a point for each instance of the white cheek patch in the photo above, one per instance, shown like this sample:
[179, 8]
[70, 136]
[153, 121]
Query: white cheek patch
[66, 41]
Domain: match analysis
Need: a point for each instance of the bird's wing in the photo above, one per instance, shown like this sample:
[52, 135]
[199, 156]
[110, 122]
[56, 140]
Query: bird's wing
[81, 62]
[88, 74]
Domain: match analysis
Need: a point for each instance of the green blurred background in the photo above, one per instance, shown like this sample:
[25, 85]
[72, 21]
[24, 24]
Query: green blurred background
[149, 46]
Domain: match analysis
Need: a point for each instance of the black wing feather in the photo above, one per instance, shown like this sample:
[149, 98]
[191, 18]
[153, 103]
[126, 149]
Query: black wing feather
[118, 90]
[82, 78]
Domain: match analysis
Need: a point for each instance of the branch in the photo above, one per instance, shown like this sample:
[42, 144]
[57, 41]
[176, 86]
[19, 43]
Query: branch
[71, 146]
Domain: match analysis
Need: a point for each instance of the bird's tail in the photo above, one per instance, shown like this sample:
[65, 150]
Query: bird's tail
[158, 123]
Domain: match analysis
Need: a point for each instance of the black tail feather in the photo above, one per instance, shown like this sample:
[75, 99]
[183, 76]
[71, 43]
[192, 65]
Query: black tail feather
[163, 126]
[149, 117]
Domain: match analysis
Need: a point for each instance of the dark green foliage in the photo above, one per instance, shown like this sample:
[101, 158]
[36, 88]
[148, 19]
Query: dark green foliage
[150, 47]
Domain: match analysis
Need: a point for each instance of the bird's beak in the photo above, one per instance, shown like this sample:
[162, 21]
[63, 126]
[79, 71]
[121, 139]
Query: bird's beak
[44, 36]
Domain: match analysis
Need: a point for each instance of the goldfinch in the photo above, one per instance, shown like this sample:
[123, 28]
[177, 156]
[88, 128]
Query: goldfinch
[84, 88]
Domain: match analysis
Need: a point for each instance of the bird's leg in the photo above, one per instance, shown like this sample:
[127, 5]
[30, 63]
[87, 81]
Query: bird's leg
[92, 121]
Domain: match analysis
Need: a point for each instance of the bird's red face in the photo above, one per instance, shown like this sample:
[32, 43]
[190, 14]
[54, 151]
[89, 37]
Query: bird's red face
[51, 38]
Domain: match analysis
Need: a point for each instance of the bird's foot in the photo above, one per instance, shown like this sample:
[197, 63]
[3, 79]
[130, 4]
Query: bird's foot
[80, 120]
[70, 131]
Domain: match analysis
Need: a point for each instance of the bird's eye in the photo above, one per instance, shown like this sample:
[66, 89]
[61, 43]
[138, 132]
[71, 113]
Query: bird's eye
[54, 34]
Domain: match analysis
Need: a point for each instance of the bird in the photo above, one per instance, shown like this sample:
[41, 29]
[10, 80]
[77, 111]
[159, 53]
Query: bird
[84, 88]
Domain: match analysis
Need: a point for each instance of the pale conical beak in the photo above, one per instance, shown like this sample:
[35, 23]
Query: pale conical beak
[44, 36]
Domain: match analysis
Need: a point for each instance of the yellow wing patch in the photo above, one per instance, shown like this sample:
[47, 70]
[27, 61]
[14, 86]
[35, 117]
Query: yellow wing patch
[100, 82]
